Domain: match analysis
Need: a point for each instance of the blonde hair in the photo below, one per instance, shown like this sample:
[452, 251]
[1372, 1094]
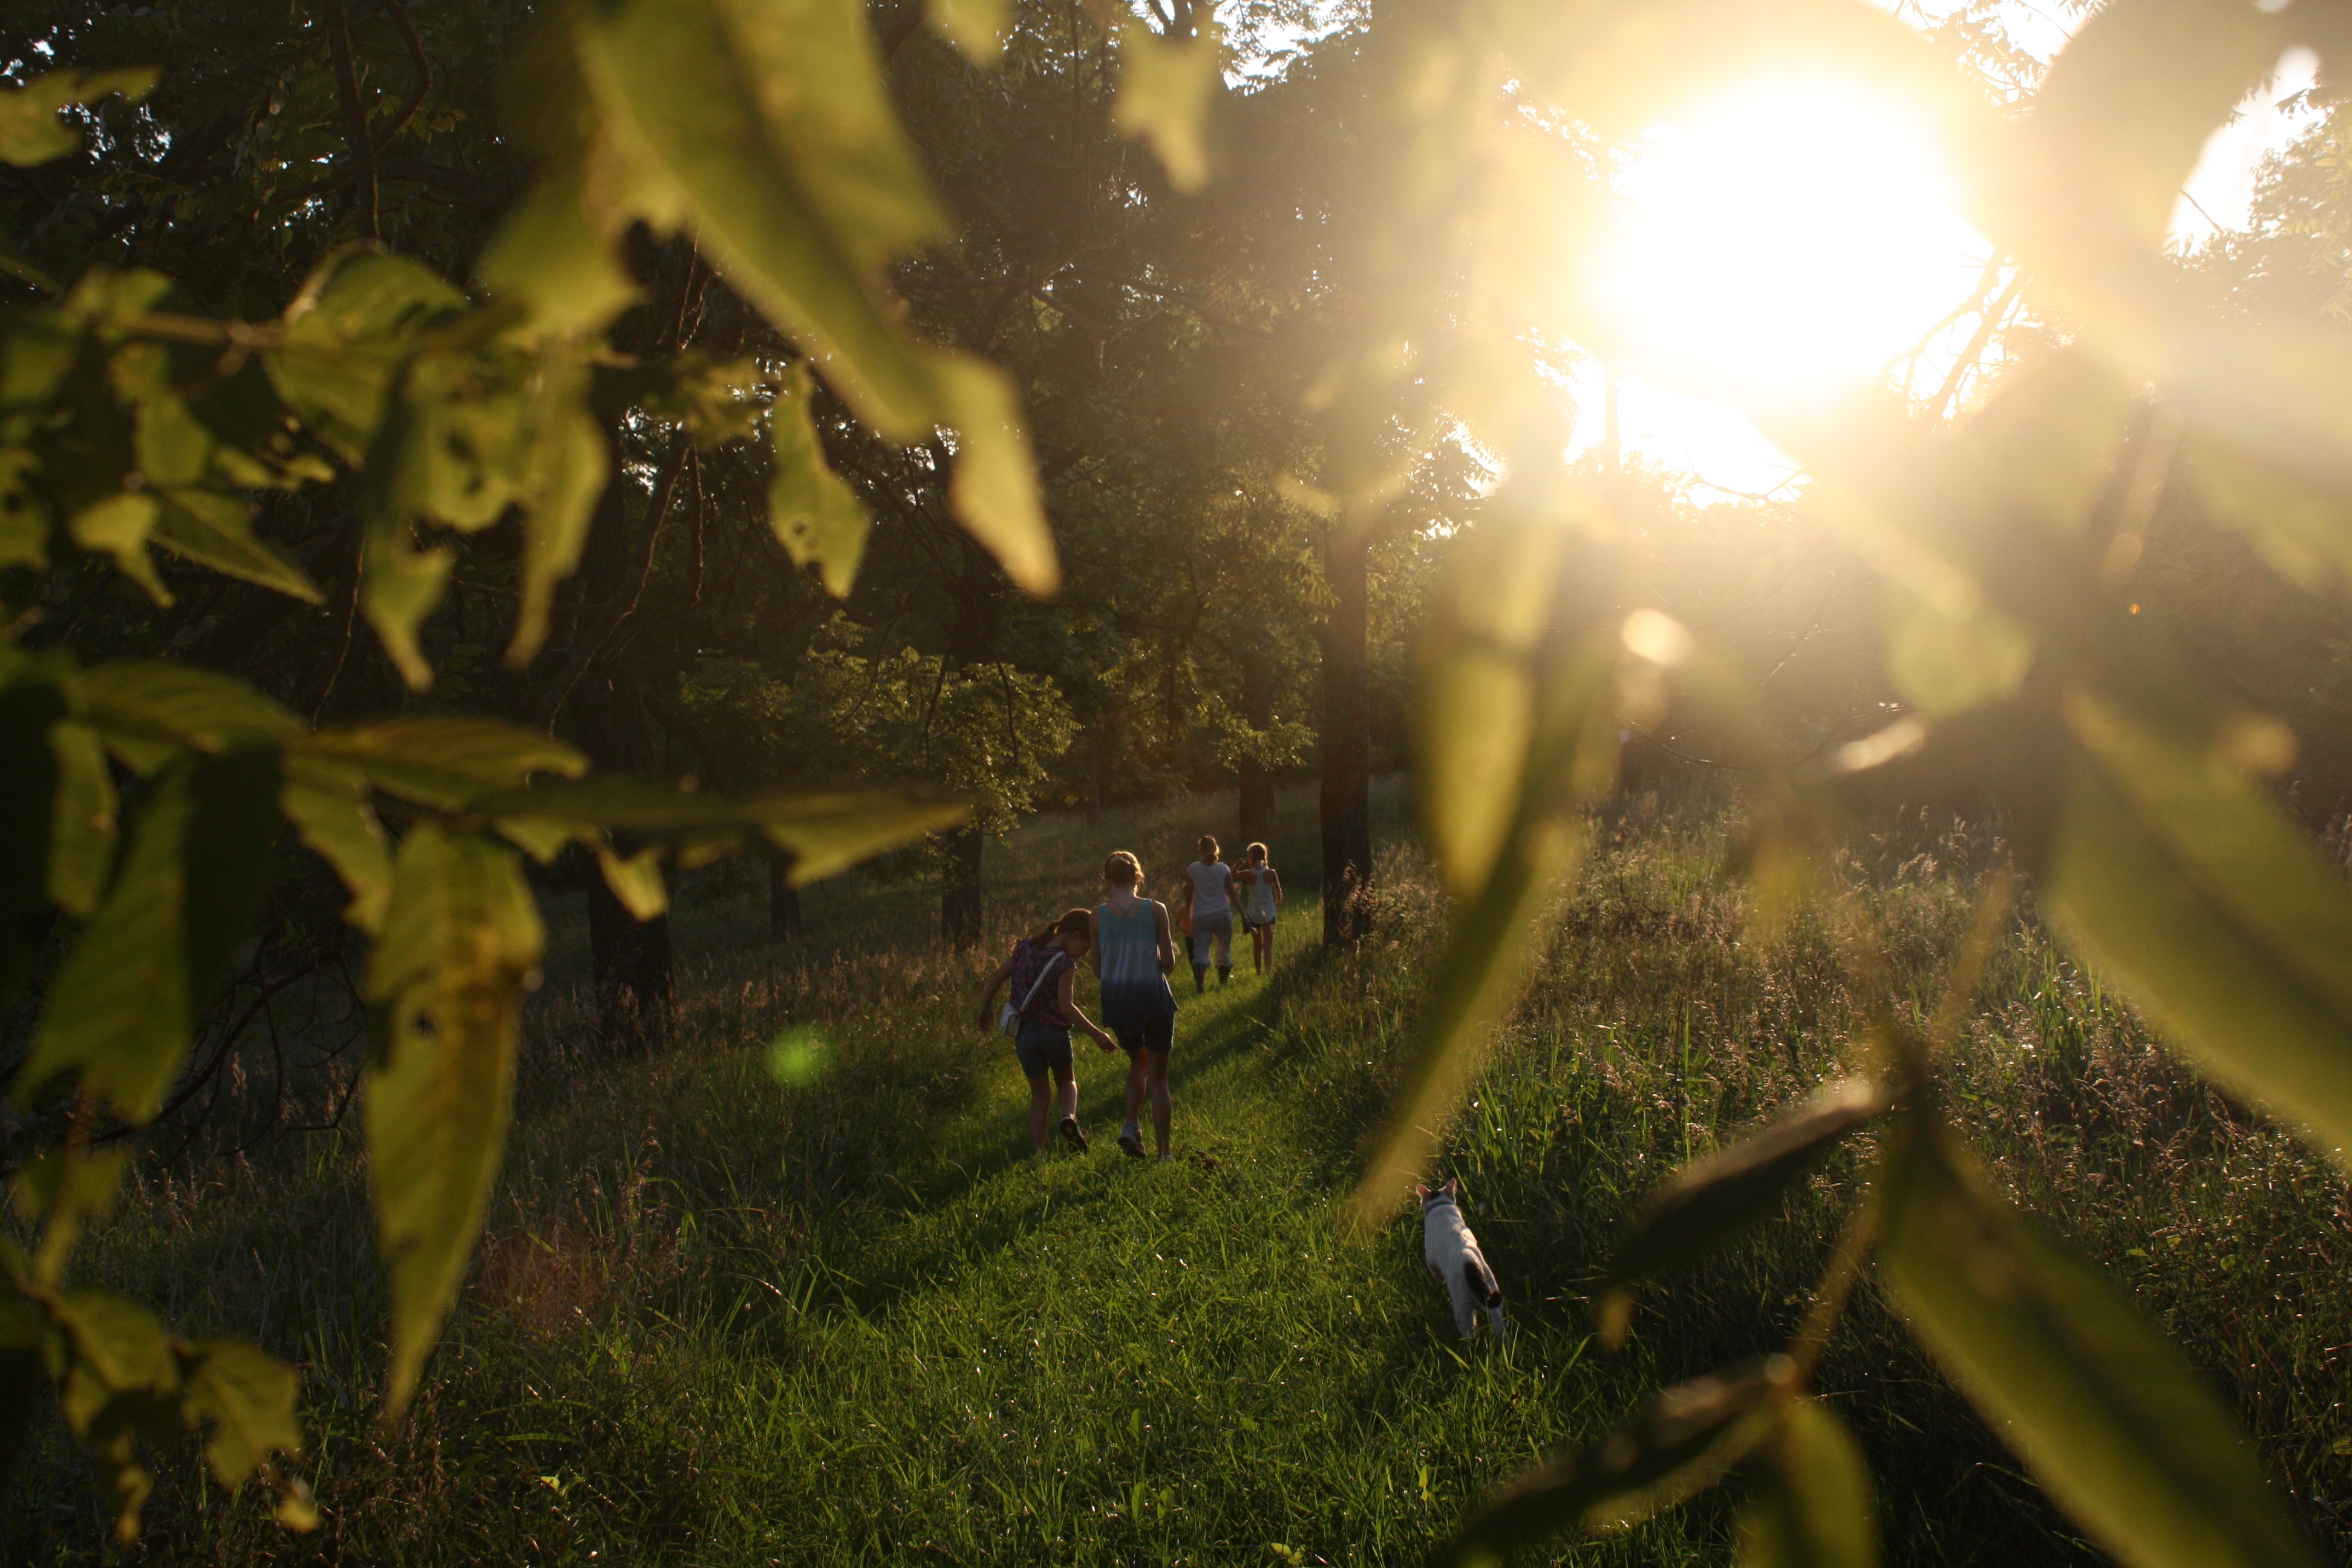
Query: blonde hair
[1208, 847]
[1121, 866]
[1254, 852]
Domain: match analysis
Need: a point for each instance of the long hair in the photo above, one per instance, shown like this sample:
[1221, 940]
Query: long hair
[1077, 921]
[1208, 847]
[1121, 866]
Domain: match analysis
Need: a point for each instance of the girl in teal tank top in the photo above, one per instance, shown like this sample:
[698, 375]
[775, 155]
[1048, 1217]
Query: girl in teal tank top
[1132, 953]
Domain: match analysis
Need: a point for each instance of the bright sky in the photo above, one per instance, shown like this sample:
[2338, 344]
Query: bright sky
[1801, 230]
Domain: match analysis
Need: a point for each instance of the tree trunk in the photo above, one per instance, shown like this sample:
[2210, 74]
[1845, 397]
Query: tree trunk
[962, 900]
[631, 957]
[1347, 740]
[783, 899]
[1254, 822]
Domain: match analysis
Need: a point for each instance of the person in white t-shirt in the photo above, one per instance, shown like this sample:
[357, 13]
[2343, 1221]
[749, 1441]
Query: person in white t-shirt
[1209, 893]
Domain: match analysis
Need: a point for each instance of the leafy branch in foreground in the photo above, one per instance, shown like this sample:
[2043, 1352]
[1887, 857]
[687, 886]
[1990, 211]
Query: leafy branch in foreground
[2130, 775]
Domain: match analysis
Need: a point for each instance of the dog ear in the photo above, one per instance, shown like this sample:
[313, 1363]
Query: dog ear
[1453, 1187]
[1420, 1191]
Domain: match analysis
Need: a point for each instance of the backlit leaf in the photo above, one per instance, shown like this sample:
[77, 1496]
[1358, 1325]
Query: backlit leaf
[975, 27]
[1814, 1508]
[995, 486]
[1165, 89]
[147, 709]
[248, 1399]
[118, 1382]
[156, 952]
[2098, 1404]
[1685, 1439]
[444, 761]
[566, 469]
[1572, 757]
[444, 987]
[327, 801]
[2183, 880]
[1717, 1198]
[1474, 709]
[815, 515]
[636, 882]
[216, 530]
[553, 251]
[30, 130]
[767, 125]
[82, 824]
[118, 525]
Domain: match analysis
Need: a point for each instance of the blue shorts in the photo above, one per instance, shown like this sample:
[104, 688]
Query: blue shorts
[1160, 1036]
[1043, 1046]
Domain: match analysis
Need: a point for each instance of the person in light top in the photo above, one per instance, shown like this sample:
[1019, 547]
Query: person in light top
[1209, 893]
[1261, 893]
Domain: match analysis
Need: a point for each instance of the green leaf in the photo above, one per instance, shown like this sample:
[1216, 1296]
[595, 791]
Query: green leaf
[443, 988]
[2124, 112]
[400, 582]
[825, 831]
[1475, 705]
[1165, 88]
[156, 952]
[767, 125]
[118, 1382]
[1711, 1202]
[148, 709]
[636, 882]
[327, 801]
[30, 130]
[566, 467]
[815, 515]
[1682, 1442]
[978, 27]
[23, 517]
[553, 253]
[248, 1399]
[68, 1185]
[445, 761]
[2102, 1411]
[216, 530]
[1815, 1507]
[30, 705]
[118, 525]
[82, 825]
[2183, 880]
[345, 338]
[995, 486]
[1572, 756]
[1947, 663]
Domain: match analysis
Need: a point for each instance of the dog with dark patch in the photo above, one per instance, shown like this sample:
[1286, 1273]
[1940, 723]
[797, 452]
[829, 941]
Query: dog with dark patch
[1453, 1259]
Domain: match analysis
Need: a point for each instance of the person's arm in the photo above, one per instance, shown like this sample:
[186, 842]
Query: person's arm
[1232, 887]
[1167, 944]
[1069, 1006]
[1270, 871]
[995, 983]
[1094, 943]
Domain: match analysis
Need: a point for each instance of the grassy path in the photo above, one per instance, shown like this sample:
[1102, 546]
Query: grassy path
[1095, 1359]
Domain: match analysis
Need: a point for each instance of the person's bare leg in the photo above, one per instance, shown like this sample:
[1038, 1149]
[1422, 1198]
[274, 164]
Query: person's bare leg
[1041, 1100]
[1068, 1085]
[1163, 1104]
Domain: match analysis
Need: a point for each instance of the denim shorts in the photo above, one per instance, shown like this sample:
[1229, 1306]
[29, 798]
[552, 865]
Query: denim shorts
[1042, 1046]
[1158, 1036]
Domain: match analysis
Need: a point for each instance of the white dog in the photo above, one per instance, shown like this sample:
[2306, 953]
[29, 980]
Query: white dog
[1453, 1259]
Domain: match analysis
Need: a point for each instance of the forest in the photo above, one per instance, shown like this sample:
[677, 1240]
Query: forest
[1770, 574]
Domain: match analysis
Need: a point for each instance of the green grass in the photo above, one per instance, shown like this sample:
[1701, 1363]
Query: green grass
[720, 1321]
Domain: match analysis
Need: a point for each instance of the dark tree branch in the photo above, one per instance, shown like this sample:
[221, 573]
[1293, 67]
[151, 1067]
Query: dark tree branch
[399, 14]
[355, 125]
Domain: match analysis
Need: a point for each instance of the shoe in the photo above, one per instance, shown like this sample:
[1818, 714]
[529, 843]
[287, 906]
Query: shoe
[1132, 1141]
[1073, 1134]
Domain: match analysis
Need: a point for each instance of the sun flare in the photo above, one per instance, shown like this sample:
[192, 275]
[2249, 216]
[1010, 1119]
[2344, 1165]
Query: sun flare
[1785, 235]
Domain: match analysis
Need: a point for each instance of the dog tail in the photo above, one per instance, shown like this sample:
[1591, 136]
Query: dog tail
[1481, 1281]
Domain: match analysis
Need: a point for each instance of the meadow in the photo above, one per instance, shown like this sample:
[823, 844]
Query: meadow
[818, 1304]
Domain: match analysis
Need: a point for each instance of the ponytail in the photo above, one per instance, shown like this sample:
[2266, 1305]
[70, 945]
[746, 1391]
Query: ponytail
[1078, 922]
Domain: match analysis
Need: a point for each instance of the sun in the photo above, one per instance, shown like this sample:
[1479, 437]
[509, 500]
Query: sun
[1782, 237]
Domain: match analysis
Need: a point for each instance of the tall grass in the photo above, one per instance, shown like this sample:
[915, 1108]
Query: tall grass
[718, 1319]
